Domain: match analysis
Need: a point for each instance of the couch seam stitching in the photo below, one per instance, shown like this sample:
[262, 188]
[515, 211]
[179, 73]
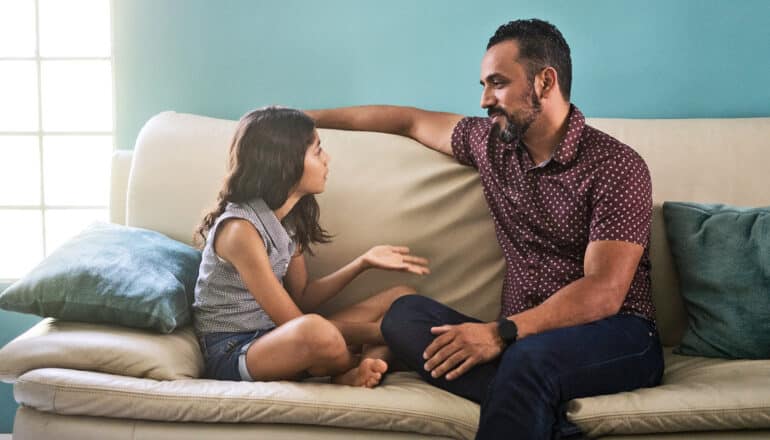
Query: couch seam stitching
[625, 415]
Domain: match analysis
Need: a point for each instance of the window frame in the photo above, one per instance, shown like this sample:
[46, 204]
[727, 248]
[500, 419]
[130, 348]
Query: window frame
[40, 133]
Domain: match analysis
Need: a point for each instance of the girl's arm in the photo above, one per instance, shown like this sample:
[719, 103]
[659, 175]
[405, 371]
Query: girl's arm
[239, 243]
[310, 295]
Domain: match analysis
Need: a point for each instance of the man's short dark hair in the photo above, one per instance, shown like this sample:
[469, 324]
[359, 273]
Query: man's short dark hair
[540, 45]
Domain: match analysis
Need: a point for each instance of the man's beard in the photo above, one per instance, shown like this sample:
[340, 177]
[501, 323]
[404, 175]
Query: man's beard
[515, 129]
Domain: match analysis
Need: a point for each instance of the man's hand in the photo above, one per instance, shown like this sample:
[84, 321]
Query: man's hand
[458, 348]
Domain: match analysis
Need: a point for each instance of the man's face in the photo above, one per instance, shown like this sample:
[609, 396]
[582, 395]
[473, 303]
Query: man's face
[508, 96]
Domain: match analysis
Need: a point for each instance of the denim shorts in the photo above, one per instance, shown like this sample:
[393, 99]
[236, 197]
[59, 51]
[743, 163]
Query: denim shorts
[224, 354]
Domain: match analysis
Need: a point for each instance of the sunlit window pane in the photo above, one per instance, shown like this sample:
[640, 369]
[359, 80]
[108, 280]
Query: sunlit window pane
[18, 96]
[74, 28]
[22, 242]
[17, 28]
[63, 224]
[77, 95]
[19, 170]
[77, 170]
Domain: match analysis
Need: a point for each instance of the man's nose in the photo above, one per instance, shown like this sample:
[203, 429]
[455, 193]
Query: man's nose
[487, 98]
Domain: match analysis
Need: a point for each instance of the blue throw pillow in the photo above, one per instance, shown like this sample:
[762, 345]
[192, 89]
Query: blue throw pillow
[112, 274]
[722, 255]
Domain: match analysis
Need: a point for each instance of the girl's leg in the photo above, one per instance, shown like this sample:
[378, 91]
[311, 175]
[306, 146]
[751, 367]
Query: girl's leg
[311, 345]
[372, 308]
[360, 323]
[367, 373]
[308, 344]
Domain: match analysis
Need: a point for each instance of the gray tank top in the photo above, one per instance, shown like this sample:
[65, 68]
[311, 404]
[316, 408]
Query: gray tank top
[222, 301]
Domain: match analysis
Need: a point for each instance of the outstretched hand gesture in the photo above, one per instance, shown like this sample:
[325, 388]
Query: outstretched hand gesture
[395, 258]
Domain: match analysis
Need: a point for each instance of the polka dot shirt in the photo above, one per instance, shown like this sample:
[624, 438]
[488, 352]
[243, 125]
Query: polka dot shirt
[592, 188]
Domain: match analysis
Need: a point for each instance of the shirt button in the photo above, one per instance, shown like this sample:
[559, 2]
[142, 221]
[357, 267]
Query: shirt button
[532, 271]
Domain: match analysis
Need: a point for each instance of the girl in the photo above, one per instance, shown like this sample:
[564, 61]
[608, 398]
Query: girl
[252, 292]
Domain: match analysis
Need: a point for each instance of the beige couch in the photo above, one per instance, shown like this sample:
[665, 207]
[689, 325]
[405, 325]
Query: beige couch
[80, 381]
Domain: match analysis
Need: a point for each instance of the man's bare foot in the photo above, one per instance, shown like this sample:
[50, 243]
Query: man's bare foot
[367, 374]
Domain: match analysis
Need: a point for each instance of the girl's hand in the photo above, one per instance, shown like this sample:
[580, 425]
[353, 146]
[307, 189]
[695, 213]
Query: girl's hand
[395, 258]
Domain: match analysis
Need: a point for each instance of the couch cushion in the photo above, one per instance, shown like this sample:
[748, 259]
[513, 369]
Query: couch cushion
[722, 255]
[401, 403]
[112, 274]
[697, 394]
[32, 424]
[110, 349]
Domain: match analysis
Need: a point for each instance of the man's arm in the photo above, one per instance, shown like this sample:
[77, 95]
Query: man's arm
[609, 268]
[433, 129]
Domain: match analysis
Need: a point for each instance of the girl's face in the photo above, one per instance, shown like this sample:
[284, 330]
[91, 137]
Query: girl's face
[313, 179]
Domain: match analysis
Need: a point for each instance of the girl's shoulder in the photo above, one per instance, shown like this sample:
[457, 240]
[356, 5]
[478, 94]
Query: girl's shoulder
[240, 211]
[259, 214]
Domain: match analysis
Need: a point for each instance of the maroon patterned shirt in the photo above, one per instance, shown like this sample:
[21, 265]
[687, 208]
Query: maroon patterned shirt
[593, 188]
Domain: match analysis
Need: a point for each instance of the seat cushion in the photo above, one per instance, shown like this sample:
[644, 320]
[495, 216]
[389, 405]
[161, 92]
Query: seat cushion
[697, 394]
[402, 402]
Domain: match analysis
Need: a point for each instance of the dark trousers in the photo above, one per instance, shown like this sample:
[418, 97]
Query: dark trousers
[523, 393]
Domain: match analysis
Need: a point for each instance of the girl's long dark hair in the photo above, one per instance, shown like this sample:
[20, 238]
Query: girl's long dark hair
[267, 159]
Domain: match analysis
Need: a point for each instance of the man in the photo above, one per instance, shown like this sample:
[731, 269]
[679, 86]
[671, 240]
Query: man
[572, 211]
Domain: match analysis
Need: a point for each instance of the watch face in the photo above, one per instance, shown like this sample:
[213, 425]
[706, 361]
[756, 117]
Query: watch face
[507, 329]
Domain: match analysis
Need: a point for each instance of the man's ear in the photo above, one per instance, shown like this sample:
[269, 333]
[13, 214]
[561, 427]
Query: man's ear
[549, 81]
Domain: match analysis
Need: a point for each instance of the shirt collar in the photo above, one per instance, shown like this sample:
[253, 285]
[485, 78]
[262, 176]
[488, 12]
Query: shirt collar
[567, 149]
[278, 233]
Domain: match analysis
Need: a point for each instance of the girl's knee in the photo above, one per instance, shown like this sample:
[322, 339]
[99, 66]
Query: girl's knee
[399, 291]
[322, 338]
[389, 296]
[409, 304]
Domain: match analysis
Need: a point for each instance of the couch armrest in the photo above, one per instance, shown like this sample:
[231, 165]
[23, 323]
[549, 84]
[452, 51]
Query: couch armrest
[104, 348]
[121, 166]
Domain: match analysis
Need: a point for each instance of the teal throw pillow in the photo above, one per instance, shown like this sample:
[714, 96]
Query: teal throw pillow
[112, 274]
[722, 255]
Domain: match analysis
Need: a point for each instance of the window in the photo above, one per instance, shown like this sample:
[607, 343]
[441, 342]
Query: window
[56, 125]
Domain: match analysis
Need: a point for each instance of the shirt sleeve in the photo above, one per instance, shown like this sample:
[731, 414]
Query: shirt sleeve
[462, 141]
[622, 202]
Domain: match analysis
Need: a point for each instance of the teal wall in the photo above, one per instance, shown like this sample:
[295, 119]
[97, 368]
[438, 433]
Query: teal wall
[653, 58]
[11, 325]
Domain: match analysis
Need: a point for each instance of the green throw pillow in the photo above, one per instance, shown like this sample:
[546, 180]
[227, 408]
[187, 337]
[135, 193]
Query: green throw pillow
[722, 254]
[112, 274]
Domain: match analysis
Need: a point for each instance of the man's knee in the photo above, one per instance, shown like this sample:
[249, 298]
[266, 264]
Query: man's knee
[404, 309]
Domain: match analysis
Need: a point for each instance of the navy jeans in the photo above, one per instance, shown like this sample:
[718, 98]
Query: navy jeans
[523, 393]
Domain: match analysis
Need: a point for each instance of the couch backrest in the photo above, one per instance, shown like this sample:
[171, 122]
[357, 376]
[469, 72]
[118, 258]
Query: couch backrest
[388, 189]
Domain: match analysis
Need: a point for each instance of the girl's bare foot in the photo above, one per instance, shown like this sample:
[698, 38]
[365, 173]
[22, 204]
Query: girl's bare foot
[367, 374]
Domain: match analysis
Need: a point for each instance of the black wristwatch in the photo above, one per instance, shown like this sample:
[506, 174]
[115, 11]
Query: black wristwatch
[508, 330]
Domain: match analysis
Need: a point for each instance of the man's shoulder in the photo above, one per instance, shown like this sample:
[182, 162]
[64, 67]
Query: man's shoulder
[470, 134]
[603, 147]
